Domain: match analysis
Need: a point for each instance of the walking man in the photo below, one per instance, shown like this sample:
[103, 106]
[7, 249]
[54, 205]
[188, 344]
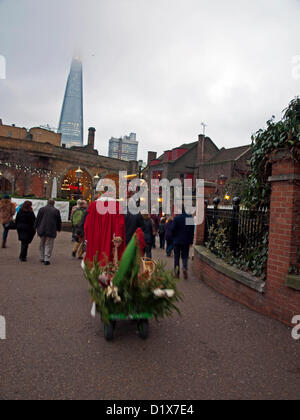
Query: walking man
[47, 224]
[183, 236]
[132, 223]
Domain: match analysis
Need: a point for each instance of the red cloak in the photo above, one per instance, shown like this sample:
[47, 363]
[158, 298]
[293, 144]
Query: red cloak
[100, 231]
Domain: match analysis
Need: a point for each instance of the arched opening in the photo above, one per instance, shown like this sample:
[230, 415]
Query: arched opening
[74, 187]
[5, 186]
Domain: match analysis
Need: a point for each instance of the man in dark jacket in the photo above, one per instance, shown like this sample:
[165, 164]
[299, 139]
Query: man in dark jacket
[149, 230]
[183, 235]
[132, 223]
[47, 224]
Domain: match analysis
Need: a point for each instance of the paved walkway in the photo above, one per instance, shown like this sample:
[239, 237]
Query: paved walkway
[218, 349]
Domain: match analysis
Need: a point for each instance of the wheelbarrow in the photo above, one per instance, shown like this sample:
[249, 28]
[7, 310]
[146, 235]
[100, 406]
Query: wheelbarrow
[142, 324]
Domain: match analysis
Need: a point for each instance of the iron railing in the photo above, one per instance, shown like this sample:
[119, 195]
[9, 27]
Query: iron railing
[244, 229]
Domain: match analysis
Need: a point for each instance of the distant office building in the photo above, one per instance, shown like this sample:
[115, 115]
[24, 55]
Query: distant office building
[71, 119]
[124, 148]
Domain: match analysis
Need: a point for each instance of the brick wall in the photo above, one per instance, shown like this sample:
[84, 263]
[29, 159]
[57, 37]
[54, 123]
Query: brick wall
[279, 300]
[13, 132]
[45, 136]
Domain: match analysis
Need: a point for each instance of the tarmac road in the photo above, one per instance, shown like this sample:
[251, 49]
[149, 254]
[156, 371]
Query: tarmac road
[217, 349]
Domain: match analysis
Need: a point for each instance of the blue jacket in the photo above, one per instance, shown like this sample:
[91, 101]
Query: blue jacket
[169, 227]
[183, 234]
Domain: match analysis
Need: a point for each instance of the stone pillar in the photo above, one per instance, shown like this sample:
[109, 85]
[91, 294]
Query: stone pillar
[283, 272]
[209, 191]
[200, 230]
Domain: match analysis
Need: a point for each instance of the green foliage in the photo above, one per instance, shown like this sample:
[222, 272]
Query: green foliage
[236, 187]
[278, 135]
[218, 242]
[136, 292]
[254, 261]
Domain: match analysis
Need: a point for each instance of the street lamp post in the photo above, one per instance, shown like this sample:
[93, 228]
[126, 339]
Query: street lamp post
[79, 174]
[45, 188]
[140, 168]
[1, 175]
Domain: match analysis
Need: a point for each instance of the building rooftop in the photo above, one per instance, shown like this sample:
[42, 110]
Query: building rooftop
[230, 154]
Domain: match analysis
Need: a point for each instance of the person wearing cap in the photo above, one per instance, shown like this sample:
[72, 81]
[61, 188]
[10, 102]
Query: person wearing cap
[7, 212]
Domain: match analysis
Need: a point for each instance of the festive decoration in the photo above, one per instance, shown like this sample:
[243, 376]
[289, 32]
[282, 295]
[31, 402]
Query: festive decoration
[133, 286]
[117, 241]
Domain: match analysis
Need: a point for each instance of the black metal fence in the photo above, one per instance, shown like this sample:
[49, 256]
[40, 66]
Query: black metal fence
[244, 229]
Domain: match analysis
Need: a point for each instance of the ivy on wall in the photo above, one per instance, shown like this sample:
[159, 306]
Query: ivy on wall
[284, 134]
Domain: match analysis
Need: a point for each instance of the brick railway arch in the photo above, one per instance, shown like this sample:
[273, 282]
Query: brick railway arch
[68, 185]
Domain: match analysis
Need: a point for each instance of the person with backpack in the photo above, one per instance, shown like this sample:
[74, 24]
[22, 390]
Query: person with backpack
[76, 207]
[78, 221]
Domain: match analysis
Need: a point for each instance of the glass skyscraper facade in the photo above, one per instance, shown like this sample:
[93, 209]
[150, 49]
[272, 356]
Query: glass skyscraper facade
[125, 148]
[71, 119]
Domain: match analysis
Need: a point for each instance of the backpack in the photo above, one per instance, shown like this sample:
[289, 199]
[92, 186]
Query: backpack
[77, 217]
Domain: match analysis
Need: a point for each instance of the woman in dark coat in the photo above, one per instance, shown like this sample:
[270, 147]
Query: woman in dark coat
[169, 236]
[148, 234]
[162, 233]
[25, 226]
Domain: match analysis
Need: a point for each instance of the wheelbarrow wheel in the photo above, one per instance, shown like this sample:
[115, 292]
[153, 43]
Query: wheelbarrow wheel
[109, 331]
[143, 328]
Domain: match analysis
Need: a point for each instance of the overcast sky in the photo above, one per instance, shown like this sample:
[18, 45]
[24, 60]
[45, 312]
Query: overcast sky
[155, 67]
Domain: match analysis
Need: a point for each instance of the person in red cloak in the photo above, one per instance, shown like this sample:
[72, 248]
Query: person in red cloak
[104, 231]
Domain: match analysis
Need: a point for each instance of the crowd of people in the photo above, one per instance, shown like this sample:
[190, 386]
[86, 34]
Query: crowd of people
[46, 225]
[94, 233]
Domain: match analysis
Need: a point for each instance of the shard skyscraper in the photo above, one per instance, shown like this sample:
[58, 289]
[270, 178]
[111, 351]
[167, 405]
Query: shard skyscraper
[71, 119]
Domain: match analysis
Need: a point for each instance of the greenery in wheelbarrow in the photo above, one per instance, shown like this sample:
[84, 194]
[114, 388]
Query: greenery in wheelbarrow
[135, 285]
